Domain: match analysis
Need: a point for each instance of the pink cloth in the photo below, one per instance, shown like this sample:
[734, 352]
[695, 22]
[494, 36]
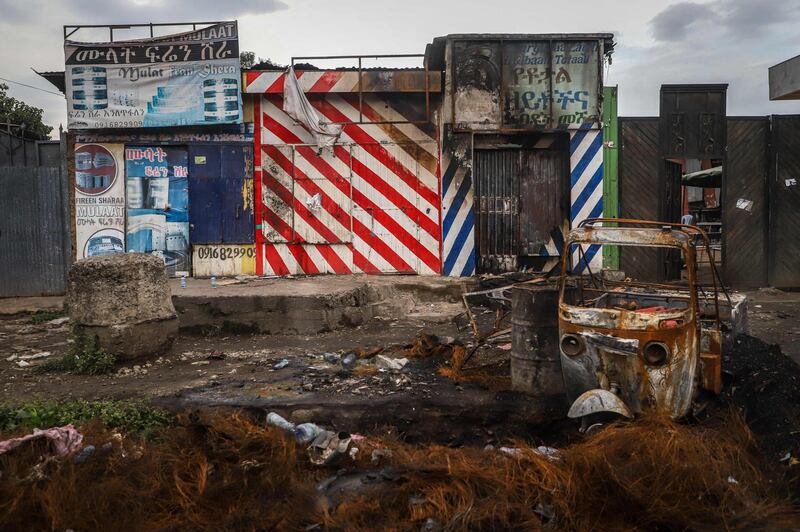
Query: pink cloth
[63, 440]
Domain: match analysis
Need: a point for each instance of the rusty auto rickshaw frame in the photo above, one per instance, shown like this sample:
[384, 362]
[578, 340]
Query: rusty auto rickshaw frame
[607, 368]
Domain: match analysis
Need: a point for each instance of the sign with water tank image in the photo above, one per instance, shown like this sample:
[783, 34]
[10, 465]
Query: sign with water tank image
[178, 80]
[99, 200]
[157, 188]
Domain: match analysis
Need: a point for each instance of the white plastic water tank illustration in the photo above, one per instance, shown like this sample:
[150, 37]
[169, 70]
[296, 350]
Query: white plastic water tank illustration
[89, 88]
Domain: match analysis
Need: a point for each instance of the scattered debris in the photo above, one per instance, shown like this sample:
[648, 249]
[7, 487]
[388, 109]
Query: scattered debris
[226, 471]
[331, 358]
[282, 364]
[384, 362]
[62, 440]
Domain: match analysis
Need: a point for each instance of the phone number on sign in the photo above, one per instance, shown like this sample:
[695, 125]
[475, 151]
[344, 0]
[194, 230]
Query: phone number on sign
[225, 253]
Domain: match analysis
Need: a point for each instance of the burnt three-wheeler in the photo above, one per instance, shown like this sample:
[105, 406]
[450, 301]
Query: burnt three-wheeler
[628, 346]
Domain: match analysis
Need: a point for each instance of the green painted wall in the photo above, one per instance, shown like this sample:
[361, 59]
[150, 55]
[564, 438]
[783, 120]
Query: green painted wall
[610, 170]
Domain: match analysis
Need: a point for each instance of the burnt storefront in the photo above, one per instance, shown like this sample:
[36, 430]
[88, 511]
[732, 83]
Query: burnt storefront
[522, 138]
[476, 162]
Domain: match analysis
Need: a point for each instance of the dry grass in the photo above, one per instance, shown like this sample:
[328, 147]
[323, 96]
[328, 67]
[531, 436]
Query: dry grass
[223, 472]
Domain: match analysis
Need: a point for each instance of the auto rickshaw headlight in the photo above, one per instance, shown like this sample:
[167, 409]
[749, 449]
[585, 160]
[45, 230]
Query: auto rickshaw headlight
[572, 345]
[655, 354]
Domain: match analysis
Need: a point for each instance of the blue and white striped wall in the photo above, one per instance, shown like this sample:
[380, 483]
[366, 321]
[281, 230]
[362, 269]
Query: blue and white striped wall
[458, 219]
[586, 190]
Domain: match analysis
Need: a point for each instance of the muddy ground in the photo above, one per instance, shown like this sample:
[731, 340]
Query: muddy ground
[311, 379]
[244, 371]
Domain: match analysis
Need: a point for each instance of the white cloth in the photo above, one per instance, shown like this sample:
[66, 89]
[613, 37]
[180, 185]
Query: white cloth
[296, 105]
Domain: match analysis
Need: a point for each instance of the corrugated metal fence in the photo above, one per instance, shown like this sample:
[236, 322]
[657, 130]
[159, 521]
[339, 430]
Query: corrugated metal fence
[34, 235]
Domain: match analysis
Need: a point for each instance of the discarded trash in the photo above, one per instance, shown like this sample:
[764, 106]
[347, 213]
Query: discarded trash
[549, 452]
[213, 282]
[306, 432]
[275, 419]
[380, 454]
[303, 433]
[431, 525]
[23, 360]
[331, 358]
[84, 454]
[328, 447]
[349, 360]
[183, 281]
[545, 510]
[732, 480]
[282, 364]
[510, 451]
[63, 440]
[384, 362]
[58, 321]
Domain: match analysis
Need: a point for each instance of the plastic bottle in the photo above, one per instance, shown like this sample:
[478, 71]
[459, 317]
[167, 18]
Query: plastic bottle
[277, 420]
[306, 432]
[183, 281]
[213, 282]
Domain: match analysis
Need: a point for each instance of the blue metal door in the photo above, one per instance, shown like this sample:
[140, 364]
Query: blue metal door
[205, 198]
[238, 222]
[221, 194]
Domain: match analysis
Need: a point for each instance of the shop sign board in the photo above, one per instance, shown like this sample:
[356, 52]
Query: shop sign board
[158, 204]
[99, 200]
[185, 79]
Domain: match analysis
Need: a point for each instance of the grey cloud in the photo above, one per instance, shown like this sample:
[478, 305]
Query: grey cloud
[749, 18]
[674, 22]
[128, 11]
[740, 19]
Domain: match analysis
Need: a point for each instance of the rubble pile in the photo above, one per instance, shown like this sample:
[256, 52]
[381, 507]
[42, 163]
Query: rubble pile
[223, 471]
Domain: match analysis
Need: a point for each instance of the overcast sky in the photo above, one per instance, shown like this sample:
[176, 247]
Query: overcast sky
[721, 41]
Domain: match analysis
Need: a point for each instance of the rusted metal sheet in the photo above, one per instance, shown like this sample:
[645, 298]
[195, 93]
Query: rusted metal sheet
[323, 81]
[639, 341]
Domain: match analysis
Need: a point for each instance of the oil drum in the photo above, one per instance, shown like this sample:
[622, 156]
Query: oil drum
[535, 361]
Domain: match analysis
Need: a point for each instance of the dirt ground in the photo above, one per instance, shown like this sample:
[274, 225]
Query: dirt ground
[371, 381]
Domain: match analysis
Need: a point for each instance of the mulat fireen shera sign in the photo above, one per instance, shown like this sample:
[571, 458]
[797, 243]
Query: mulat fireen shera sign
[177, 80]
[99, 200]
[157, 187]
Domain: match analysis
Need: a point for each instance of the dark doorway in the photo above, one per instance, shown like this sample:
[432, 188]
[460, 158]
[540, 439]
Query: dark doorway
[521, 189]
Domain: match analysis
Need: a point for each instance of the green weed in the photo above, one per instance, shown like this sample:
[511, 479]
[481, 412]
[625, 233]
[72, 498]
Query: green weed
[84, 357]
[131, 415]
[43, 316]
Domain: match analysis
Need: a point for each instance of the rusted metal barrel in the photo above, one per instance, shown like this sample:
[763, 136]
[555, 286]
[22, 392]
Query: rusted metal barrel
[535, 362]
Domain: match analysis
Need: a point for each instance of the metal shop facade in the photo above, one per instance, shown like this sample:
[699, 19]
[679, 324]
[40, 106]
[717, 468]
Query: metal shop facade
[477, 162]
[160, 152]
